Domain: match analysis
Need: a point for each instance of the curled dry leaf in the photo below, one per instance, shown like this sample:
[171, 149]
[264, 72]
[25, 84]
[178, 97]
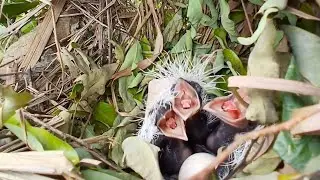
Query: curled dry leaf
[263, 63]
[142, 158]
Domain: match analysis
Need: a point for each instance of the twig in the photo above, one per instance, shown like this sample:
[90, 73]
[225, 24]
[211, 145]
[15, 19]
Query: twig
[239, 98]
[110, 27]
[247, 17]
[12, 74]
[1, 8]
[274, 129]
[58, 49]
[85, 125]
[65, 136]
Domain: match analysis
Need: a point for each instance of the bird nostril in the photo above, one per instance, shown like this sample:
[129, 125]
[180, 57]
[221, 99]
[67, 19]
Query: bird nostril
[171, 123]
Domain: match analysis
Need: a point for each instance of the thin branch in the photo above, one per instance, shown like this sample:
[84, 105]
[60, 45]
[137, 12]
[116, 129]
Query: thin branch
[68, 136]
[247, 17]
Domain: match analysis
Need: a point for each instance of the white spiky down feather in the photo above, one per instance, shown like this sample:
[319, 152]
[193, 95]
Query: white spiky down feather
[194, 69]
[171, 69]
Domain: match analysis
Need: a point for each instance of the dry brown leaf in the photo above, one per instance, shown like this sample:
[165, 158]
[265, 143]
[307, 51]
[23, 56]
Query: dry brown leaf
[233, 4]
[63, 29]
[90, 162]
[273, 84]
[19, 48]
[43, 34]
[158, 47]
[310, 126]
[283, 45]
[261, 146]
[9, 175]
[302, 14]
[48, 162]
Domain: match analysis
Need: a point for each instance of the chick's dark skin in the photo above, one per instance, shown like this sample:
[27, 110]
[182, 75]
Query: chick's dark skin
[173, 152]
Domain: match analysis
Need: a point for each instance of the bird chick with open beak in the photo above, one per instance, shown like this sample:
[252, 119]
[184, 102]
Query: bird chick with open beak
[232, 115]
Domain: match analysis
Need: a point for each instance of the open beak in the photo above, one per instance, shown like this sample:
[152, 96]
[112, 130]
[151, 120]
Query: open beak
[229, 110]
[171, 125]
[187, 102]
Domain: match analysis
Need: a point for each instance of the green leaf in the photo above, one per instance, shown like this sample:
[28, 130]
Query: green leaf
[107, 175]
[207, 21]
[133, 56]
[118, 51]
[184, 44]
[200, 49]
[123, 132]
[305, 47]
[142, 158]
[146, 47]
[218, 64]
[174, 27]
[257, 33]
[145, 44]
[237, 16]
[307, 24]
[29, 26]
[221, 35]
[127, 98]
[51, 142]
[83, 153]
[213, 12]
[313, 165]
[279, 4]
[291, 17]
[11, 101]
[257, 2]
[194, 12]
[136, 80]
[47, 140]
[295, 151]
[17, 130]
[105, 113]
[227, 23]
[237, 65]
[94, 175]
[76, 92]
[15, 8]
[278, 39]
[265, 164]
